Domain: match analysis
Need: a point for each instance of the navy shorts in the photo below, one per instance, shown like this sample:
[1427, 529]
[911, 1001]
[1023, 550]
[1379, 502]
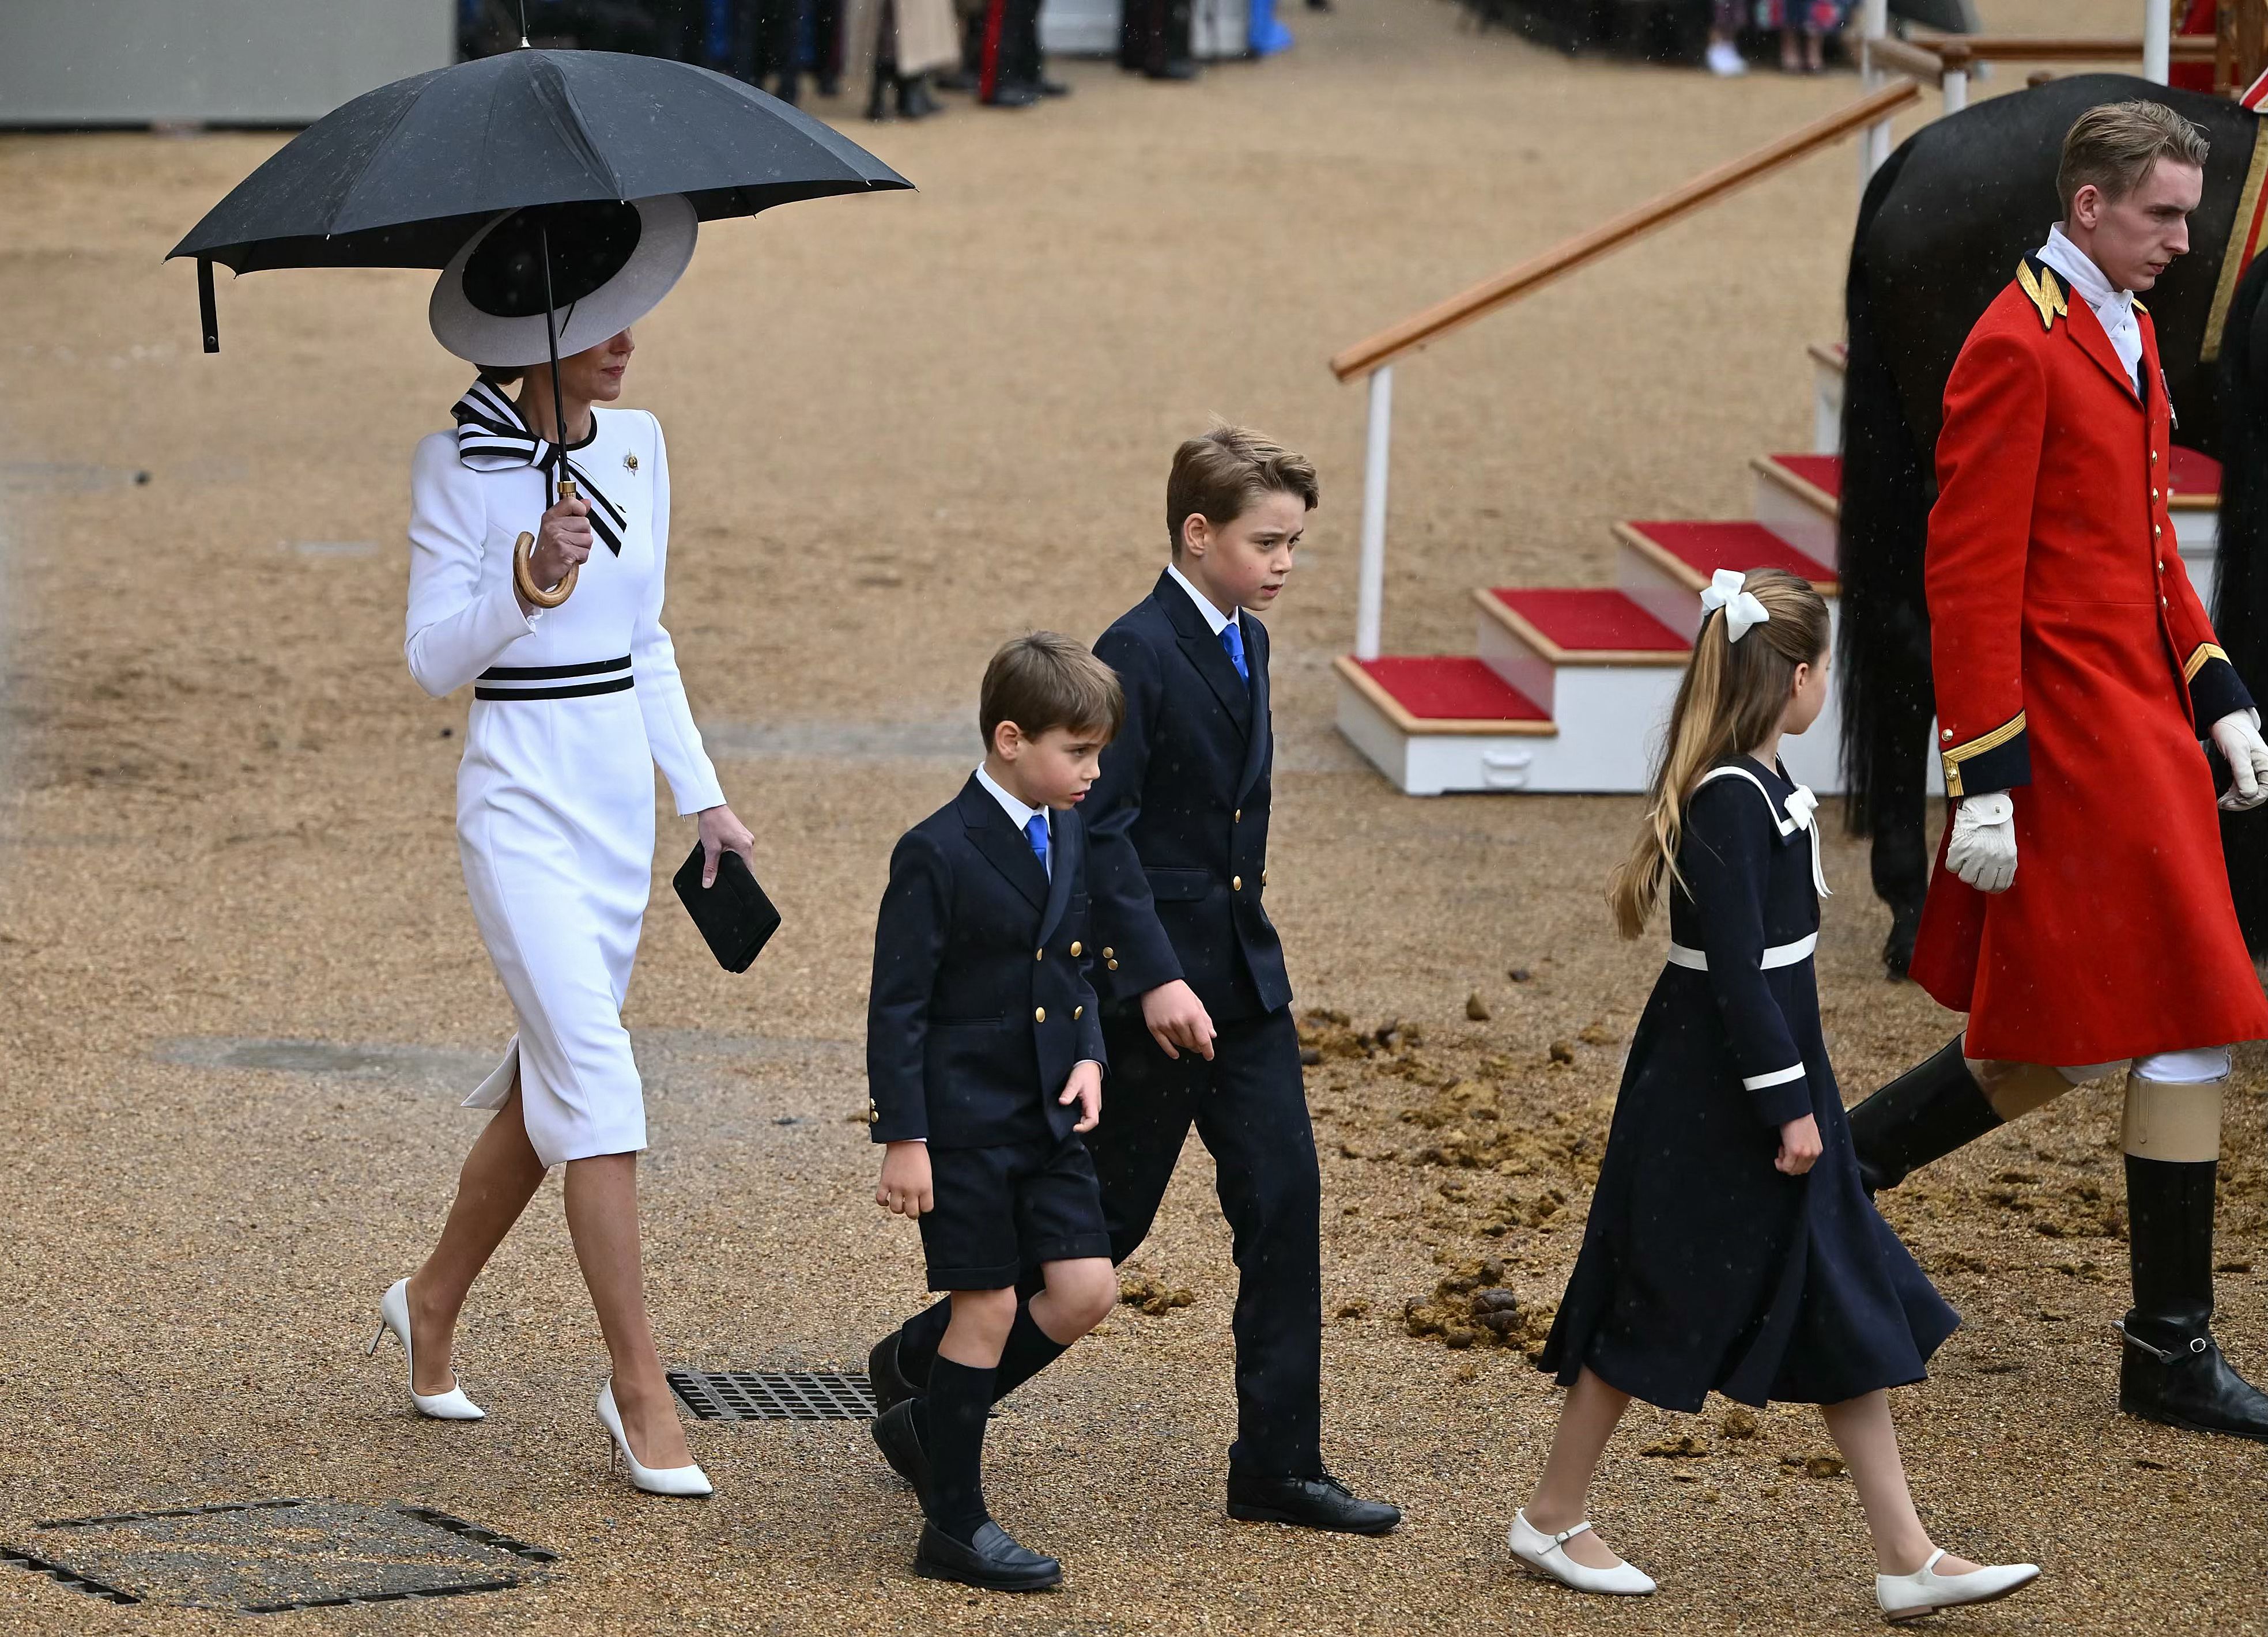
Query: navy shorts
[1003, 1209]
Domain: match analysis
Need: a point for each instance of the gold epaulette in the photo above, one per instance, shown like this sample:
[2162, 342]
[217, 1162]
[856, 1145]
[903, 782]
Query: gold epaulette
[2046, 292]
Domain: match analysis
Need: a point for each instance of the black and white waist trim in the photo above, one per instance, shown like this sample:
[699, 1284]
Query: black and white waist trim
[1775, 955]
[597, 676]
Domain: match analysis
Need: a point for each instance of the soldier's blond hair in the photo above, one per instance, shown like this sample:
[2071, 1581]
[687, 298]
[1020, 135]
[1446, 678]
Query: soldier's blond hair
[2113, 145]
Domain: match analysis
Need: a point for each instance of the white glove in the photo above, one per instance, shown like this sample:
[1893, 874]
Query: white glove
[2238, 736]
[1983, 851]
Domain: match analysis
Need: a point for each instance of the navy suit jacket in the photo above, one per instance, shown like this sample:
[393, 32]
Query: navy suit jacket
[1178, 821]
[981, 1006]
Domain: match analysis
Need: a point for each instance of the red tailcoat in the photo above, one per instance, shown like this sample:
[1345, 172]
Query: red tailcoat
[2075, 667]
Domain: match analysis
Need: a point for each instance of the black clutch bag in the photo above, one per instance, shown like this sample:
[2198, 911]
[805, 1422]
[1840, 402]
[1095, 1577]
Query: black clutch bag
[734, 915]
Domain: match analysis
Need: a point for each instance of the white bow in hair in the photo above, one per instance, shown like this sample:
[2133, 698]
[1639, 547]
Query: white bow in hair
[1802, 812]
[1726, 590]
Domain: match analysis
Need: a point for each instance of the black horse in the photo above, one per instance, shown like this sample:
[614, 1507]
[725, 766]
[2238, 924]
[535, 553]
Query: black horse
[1940, 230]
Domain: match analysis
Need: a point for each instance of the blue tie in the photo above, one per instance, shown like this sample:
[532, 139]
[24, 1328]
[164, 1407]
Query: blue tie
[1231, 638]
[1036, 830]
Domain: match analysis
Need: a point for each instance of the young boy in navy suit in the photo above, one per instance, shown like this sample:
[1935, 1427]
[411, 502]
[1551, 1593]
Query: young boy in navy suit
[1197, 1010]
[985, 1058]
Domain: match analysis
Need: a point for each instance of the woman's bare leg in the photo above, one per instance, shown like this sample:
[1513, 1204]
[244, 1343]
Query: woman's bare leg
[500, 1176]
[602, 1216]
[1586, 1420]
[1862, 1430]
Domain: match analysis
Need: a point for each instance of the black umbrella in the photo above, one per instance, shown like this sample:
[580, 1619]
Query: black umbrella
[404, 175]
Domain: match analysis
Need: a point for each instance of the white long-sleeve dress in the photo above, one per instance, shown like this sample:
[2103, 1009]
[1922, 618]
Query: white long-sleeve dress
[572, 709]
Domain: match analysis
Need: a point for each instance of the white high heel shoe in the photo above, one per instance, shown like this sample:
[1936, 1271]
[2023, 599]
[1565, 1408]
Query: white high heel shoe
[655, 1480]
[1924, 1591]
[394, 1315]
[1547, 1554]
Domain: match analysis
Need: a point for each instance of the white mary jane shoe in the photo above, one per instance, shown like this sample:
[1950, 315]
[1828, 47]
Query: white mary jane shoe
[689, 1481]
[394, 1315]
[1924, 1591]
[1547, 1554]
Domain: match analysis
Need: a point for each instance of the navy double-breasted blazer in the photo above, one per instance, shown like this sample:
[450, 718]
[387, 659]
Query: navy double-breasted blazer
[1179, 818]
[980, 1006]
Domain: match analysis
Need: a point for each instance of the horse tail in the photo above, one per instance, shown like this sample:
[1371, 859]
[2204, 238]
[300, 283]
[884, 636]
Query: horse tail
[1881, 530]
[2240, 597]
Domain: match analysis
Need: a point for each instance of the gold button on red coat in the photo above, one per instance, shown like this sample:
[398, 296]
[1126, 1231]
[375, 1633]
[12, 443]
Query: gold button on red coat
[1946, 735]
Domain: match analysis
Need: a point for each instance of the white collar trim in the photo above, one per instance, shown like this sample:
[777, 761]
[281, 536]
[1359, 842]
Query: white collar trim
[1213, 616]
[1018, 814]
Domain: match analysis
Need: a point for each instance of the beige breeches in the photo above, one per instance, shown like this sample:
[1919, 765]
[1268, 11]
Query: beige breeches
[2173, 1098]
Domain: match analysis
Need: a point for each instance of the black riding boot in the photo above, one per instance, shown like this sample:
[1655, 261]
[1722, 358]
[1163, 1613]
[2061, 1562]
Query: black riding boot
[2172, 1370]
[1926, 1112]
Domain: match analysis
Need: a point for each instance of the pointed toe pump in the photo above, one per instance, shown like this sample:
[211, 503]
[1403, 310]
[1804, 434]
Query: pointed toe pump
[688, 1481]
[394, 1315]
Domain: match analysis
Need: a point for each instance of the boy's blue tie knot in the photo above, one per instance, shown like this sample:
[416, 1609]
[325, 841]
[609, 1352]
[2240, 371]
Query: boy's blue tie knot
[1036, 830]
[1231, 638]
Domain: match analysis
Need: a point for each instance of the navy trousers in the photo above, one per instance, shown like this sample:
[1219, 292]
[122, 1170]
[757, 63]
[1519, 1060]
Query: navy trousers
[1250, 1108]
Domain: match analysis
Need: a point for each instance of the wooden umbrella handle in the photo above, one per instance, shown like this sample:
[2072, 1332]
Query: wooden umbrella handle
[524, 548]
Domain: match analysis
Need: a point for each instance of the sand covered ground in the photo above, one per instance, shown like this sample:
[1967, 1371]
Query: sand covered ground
[244, 994]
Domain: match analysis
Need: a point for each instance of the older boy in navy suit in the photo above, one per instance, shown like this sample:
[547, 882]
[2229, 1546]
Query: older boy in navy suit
[984, 1057]
[1197, 1010]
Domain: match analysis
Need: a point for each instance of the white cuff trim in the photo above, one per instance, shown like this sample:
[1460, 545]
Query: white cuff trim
[1758, 1083]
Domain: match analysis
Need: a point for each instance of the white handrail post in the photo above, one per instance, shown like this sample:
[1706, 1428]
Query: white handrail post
[1874, 146]
[2157, 38]
[1955, 87]
[1370, 584]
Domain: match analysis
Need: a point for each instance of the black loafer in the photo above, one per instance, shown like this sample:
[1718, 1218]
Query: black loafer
[1317, 1502]
[900, 1442]
[992, 1562]
[888, 1381]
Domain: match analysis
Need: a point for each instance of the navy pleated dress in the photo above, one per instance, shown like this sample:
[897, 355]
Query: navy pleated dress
[1702, 1267]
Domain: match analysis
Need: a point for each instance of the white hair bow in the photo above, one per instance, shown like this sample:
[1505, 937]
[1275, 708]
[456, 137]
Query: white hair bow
[1726, 590]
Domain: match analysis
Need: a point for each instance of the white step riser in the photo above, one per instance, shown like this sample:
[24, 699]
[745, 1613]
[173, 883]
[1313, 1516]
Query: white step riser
[1826, 408]
[1520, 666]
[1654, 589]
[1794, 520]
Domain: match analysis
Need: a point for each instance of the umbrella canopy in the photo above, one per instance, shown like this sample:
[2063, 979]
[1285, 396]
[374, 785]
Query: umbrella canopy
[402, 176]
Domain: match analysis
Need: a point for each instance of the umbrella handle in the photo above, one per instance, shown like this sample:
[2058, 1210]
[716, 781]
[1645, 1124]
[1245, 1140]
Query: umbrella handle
[524, 548]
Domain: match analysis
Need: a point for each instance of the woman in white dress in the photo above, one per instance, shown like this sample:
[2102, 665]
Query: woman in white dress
[573, 706]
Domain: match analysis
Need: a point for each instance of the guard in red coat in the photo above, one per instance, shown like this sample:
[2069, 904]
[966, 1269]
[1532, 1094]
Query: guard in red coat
[2080, 913]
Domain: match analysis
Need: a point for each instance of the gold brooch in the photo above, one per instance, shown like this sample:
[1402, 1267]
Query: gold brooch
[629, 461]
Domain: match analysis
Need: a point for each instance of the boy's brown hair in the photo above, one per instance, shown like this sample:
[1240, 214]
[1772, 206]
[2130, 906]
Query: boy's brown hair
[1220, 474]
[1044, 679]
[2114, 144]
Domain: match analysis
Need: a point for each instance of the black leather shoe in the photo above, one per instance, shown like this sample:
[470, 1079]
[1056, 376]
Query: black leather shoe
[2189, 1385]
[1317, 1502]
[1010, 94]
[993, 1561]
[1179, 67]
[891, 1385]
[900, 1442]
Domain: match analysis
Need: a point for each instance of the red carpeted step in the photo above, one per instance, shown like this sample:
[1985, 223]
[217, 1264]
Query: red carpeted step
[1448, 687]
[1824, 472]
[2194, 477]
[1583, 624]
[1694, 551]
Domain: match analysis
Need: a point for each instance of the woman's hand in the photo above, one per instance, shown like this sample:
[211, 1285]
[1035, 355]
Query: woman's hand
[905, 1185]
[722, 833]
[562, 541]
[1798, 1146]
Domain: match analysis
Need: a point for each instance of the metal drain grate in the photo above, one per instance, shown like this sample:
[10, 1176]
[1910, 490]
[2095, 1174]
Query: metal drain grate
[264, 1557]
[790, 1395]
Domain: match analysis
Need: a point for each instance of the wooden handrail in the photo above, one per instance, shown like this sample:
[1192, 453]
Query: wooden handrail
[1960, 50]
[1531, 275]
[1900, 57]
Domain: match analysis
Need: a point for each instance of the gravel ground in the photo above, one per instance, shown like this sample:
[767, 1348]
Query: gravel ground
[246, 993]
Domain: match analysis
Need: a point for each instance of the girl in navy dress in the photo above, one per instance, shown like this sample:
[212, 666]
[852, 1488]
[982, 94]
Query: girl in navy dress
[1730, 1247]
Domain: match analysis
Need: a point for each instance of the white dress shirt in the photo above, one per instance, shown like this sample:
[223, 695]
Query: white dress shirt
[2113, 308]
[1020, 816]
[1213, 616]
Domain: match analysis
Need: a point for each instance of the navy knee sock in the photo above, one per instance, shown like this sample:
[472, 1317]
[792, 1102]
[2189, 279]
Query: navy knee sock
[953, 1434]
[1028, 1351]
[918, 1337]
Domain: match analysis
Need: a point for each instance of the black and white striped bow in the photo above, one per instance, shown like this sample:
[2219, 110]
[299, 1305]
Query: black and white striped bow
[491, 437]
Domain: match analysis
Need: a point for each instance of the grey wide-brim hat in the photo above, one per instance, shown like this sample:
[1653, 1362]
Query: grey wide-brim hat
[611, 263]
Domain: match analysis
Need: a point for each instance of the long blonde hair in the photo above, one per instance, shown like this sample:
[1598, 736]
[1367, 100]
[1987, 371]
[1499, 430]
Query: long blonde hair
[1731, 698]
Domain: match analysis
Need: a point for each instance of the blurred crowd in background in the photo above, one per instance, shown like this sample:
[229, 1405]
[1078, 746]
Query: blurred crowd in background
[897, 53]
